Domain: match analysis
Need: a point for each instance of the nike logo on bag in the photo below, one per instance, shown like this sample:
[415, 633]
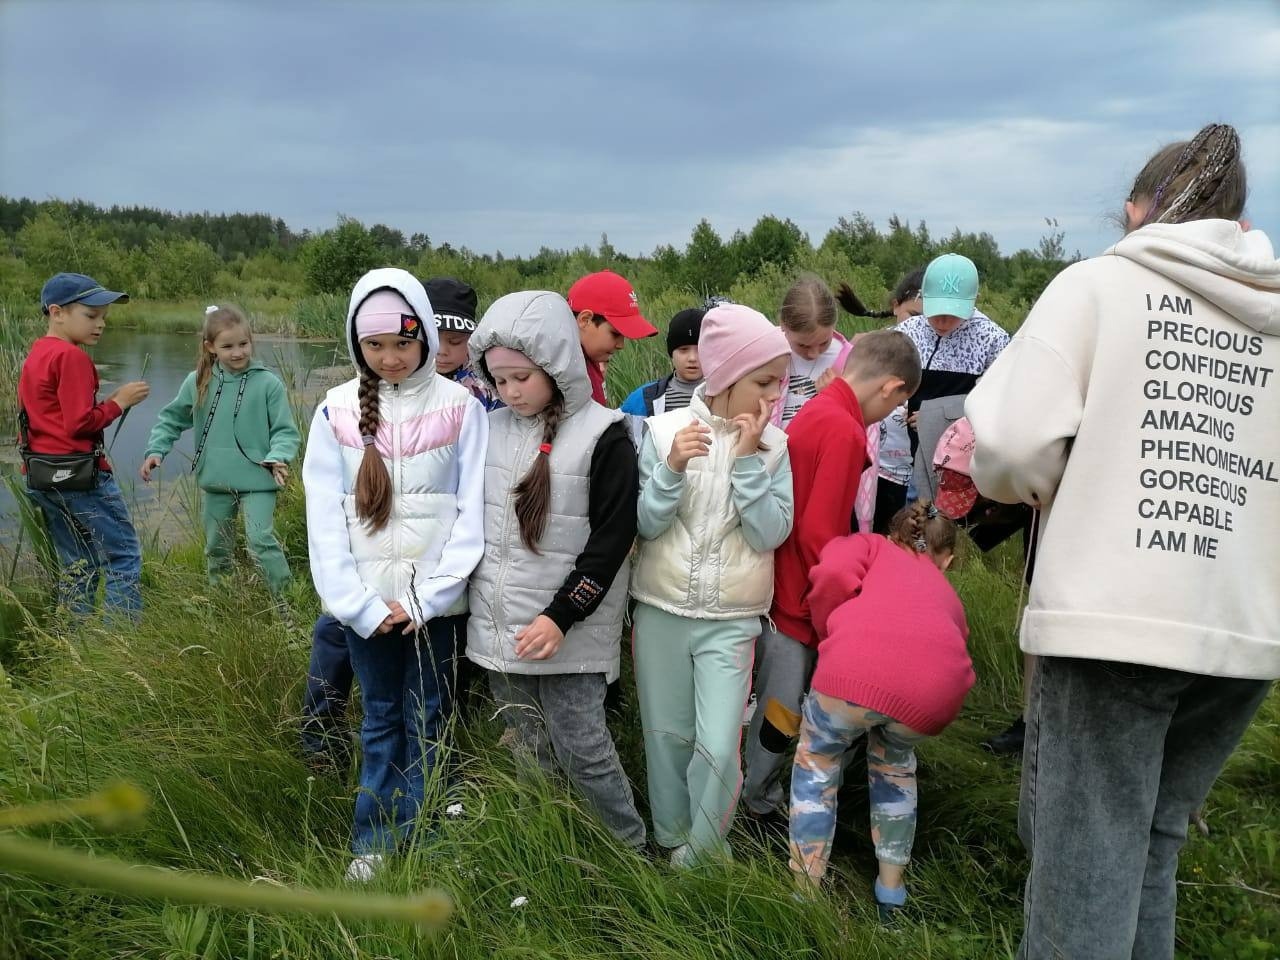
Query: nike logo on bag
[60, 475]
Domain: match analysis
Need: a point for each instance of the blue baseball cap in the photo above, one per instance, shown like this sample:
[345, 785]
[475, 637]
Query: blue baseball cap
[64, 288]
[950, 287]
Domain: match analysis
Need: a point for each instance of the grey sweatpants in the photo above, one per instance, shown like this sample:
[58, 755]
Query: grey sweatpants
[559, 720]
[785, 668]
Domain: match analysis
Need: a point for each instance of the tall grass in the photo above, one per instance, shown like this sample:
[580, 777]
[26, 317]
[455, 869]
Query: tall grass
[199, 706]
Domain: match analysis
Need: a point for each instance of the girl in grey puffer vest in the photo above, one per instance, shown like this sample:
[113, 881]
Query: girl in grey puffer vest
[560, 488]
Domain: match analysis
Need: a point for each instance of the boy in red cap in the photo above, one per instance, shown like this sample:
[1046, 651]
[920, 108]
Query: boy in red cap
[608, 314]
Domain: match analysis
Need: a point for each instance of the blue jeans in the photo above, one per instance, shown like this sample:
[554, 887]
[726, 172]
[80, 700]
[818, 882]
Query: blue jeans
[1117, 757]
[406, 686]
[329, 679]
[91, 532]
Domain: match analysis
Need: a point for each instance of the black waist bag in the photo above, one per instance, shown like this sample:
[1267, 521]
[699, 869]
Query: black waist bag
[68, 472]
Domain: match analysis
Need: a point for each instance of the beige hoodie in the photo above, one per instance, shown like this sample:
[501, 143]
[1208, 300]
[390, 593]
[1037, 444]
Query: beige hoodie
[1139, 406]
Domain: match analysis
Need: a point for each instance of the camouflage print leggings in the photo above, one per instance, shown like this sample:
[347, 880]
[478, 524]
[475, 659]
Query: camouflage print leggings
[829, 726]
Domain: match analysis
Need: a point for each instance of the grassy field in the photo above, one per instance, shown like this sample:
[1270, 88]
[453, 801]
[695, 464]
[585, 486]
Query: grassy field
[199, 705]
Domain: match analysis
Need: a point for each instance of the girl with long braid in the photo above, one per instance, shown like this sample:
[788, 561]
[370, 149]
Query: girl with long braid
[394, 476]
[560, 488]
[1138, 408]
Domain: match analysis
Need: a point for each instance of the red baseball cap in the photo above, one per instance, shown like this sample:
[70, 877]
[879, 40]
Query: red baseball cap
[612, 297]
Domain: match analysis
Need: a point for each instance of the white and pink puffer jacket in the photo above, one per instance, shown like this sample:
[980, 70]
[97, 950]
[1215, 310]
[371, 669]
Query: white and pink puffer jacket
[432, 435]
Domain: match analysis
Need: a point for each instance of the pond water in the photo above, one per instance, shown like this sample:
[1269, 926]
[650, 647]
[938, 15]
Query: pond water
[169, 357]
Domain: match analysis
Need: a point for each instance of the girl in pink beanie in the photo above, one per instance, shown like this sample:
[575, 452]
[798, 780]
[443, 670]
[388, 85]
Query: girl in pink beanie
[715, 501]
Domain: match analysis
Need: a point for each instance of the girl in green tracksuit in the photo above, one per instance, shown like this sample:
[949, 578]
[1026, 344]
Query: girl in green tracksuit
[245, 439]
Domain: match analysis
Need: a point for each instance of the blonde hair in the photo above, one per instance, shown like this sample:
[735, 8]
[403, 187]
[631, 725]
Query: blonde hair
[807, 305]
[216, 320]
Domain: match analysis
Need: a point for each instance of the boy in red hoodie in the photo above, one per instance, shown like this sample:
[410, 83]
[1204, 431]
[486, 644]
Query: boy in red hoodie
[827, 442]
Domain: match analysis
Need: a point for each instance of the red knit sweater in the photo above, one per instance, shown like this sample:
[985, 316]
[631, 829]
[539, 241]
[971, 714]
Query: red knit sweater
[827, 445]
[892, 632]
[58, 388]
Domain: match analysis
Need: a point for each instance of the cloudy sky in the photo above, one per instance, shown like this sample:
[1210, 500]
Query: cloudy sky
[507, 126]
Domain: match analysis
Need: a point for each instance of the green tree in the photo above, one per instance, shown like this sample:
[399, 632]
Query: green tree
[181, 268]
[770, 241]
[334, 260]
[54, 241]
[708, 267]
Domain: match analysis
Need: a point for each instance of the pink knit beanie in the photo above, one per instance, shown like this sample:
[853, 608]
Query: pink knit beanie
[734, 341]
[387, 311]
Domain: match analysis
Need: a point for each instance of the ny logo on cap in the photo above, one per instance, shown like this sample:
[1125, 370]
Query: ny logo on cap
[951, 283]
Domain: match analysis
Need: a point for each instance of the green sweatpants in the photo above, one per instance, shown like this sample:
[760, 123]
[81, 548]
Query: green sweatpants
[693, 677]
[219, 512]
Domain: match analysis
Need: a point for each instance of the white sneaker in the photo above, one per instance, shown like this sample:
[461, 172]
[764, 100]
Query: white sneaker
[682, 857]
[749, 712]
[364, 867]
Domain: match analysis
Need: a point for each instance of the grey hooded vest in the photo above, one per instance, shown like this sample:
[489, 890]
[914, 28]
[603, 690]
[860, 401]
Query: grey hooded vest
[513, 585]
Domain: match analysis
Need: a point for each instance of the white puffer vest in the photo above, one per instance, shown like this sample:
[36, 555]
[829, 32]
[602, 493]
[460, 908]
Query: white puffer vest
[418, 428]
[513, 585]
[702, 566]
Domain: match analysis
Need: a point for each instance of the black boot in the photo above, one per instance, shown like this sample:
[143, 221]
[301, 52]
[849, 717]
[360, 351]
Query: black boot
[1008, 743]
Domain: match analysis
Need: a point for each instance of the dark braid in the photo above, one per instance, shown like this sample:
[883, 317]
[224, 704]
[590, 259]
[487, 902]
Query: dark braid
[373, 483]
[533, 492]
[1200, 179]
[852, 305]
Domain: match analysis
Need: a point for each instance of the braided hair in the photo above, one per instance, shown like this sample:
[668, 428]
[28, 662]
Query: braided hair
[908, 288]
[373, 482]
[1198, 179]
[533, 492]
[920, 528]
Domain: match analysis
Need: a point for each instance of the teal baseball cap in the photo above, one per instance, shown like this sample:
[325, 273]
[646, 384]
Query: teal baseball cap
[950, 287]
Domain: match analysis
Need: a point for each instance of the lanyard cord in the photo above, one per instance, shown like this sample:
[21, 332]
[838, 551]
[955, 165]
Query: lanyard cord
[208, 421]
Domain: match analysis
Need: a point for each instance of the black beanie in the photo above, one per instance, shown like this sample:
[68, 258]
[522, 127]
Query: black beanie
[684, 329]
[454, 303]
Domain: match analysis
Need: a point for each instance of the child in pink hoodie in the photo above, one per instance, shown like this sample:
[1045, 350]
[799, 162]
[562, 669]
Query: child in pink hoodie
[892, 664]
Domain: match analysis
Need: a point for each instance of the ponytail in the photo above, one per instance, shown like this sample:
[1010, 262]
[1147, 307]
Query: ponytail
[373, 483]
[920, 528]
[533, 492]
[852, 305]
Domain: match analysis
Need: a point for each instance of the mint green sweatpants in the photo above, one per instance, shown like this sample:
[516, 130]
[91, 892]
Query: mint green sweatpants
[693, 677]
[219, 514]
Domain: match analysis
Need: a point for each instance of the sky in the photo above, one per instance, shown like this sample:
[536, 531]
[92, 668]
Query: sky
[510, 126]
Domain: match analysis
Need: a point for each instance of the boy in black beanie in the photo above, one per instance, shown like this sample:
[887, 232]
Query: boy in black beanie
[673, 391]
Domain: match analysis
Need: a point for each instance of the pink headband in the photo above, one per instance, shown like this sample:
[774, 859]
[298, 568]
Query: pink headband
[386, 311]
[496, 358]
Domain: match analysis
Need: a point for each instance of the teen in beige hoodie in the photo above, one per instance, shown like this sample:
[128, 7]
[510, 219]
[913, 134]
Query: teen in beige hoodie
[1139, 409]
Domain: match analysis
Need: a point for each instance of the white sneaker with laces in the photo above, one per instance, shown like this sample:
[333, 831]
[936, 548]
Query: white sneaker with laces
[364, 867]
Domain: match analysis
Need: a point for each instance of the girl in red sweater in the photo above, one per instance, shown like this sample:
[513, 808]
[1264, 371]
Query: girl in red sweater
[892, 665]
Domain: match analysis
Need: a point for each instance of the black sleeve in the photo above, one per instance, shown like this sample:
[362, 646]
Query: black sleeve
[611, 508]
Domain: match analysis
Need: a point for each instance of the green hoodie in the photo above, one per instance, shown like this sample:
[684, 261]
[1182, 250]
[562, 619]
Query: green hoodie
[237, 444]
